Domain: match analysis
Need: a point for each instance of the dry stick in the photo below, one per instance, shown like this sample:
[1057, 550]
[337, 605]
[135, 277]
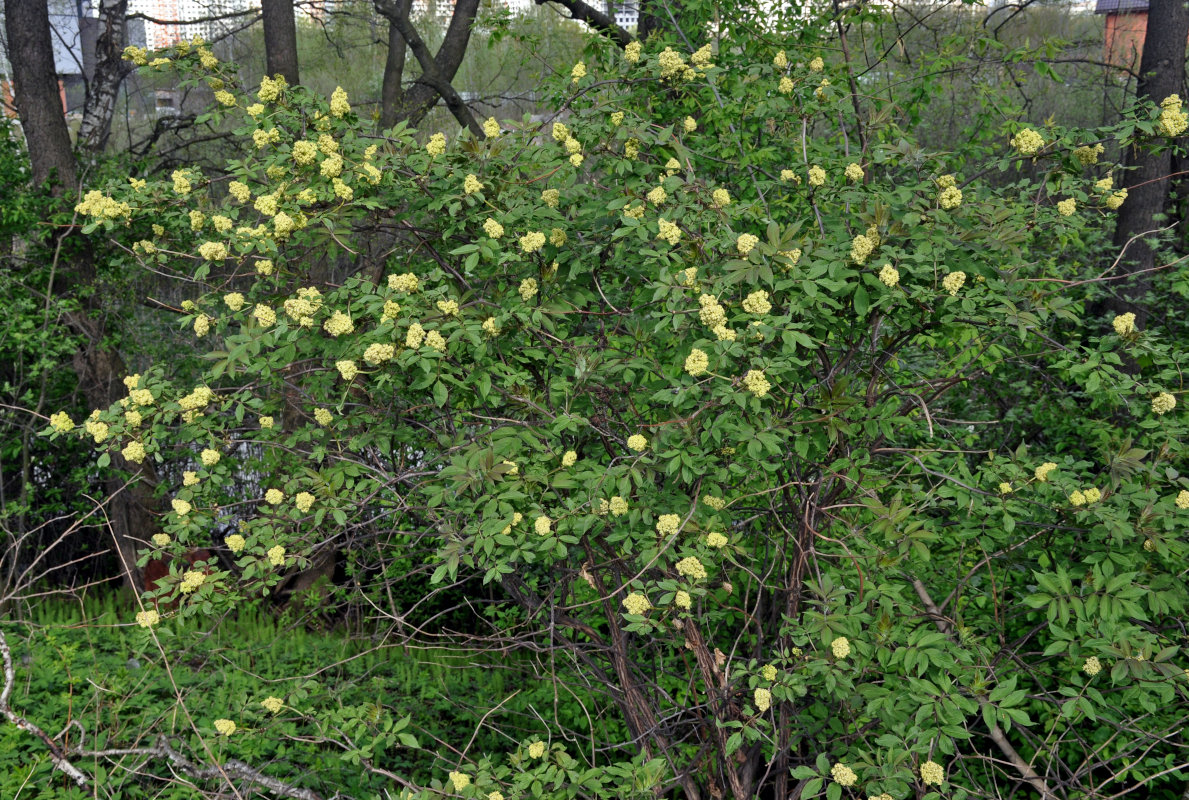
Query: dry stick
[997, 735]
[56, 753]
[232, 767]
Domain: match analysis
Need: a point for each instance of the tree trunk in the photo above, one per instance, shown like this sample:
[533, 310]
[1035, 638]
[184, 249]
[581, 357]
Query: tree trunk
[35, 91]
[1162, 69]
[391, 93]
[438, 71]
[110, 70]
[280, 39]
[100, 370]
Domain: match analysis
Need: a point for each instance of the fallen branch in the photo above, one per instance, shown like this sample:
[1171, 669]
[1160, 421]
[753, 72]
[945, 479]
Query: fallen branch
[57, 755]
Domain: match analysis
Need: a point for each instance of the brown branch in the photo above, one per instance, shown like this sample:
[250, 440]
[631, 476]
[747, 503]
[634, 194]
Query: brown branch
[997, 736]
[57, 756]
[604, 23]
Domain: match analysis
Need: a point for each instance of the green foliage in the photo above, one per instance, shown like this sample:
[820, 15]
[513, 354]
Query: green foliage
[811, 382]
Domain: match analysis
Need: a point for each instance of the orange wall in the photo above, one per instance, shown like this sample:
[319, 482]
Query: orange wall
[1125, 38]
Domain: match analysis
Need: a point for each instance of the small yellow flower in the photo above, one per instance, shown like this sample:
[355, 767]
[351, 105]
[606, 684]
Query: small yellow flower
[191, 580]
[528, 289]
[338, 102]
[689, 124]
[322, 416]
[1005, 488]
[716, 540]
[756, 383]
[1092, 666]
[768, 672]
[636, 603]
[272, 704]
[225, 727]
[746, 243]
[932, 773]
[276, 556]
[532, 241]
[1027, 142]
[889, 275]
[436, 145]
[180, 507]
[1182, 500]
[1124, 323]
[817, 65]
[542, 525]
[235, 543]
[1042, 472]
[690, 567]
[668, 524]
[631, 53]
[696, 362]
[854, 172]
[147, 619]
[491, 128]
[682, 600]
[134, 452]
[618, 506]
[637, 443]
[304, 501]
[843, 775]
[493, 228]
[471, 184]
[817, 176]
[266, 422]
[840, 647]
[780, 60]
[460, 780]
[578, 72]
[1067, 207]
[1163, 403]
[953, 282]
[763, 699]
[569, 459]
[1077, 498]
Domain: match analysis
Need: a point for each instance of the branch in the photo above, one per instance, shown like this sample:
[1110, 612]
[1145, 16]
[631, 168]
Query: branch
[431, 73]
[594, 18]
[56, 755]
[233, 767]
[997, 736]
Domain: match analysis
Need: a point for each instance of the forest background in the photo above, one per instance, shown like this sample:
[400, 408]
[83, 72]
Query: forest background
[769, 401]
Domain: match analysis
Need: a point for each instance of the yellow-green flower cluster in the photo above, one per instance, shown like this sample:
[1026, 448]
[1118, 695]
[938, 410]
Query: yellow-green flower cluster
[491, 128]
[406, 283]
[471, 184]
[631, 53]
[235, 543]
[1027, 142]
[682, 600]
[338, 102]
[720, 198]
[1067, 207]
[953, 282]
[147, 619]
[434, 341]
[932, 773]
[436, 145]
[542, 525]
[1082, 497]
[276, 556]
[636, 603]
[528, 289]
[1163, 403]
[270, 88]
[817, 176]
[618, 506]
[347, 369]
[97, 204]
[840, 647]
[763, 699]
[225, 727]
[532, 241]
[854, 172]
[1092, 666]
[1088, 155]
[191, 581]
[1182, 500]
[339, 324]
[61, 422]
[746, 243]
[861, 248]
[134, 451]
[780, 60]
[668, 524]
[757, 302]
[668, 231]
[696, 362]
[843, 775]
[671, 63]
[1124, 323]
[817, 65]
[272, 704]
[756, 383]
[716, 540]
[690, 567]
[1042, 472]
[460, 780]
[1173, 120]
[637, 443]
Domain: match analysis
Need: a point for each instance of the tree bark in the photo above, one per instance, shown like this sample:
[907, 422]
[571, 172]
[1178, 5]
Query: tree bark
[391, 93]
[437, 71]
[110, 70]
[280, 39]
[1162, 69]
[35, 91]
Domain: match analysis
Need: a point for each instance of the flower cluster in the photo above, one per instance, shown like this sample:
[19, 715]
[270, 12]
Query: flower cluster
[757, 303]
[668, 524]
[1173, 120]
[953, 282]
[1067, 207]
[843, 775]
[696, 362]
[1163, 403]
[932, 773]
[746, 242]
[1027, 142]
[840, 647]
[756, 383]
[763, 699]
[1124, 323]
[636, 603]
[690, 567]
[889, 275]
[1092, 666]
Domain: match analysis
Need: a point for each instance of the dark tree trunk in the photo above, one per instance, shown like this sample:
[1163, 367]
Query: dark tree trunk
[1162, 69]
[100, 370]
[35, 90]
[280, 39]
[110, 70]
[391, 93]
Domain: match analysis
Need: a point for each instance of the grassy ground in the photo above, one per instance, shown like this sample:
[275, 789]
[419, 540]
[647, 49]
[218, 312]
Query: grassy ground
[82, 668]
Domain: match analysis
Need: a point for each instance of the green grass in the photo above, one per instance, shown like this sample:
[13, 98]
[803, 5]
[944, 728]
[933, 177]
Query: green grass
[82, 663]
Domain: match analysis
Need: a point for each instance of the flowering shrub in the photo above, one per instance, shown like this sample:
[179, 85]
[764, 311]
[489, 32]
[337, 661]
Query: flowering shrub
[847, 439]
